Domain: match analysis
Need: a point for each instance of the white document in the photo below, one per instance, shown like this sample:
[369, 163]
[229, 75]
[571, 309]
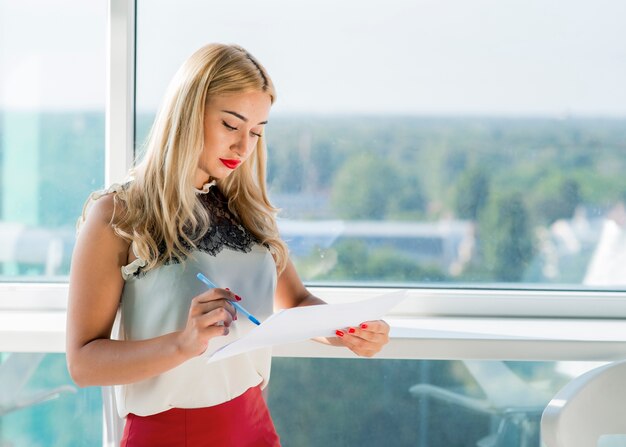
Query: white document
[303, 323]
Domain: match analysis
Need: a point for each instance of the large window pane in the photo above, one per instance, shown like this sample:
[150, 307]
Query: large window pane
[52, 90]
[318, 402]
[40, 405]
[474, 143]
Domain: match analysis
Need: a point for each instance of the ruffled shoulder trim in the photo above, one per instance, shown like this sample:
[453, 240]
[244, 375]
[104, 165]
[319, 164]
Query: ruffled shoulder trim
[130, 270]
[115, 187]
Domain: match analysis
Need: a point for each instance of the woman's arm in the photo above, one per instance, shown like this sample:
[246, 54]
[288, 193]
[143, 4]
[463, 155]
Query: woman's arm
[94, 294]
[365, 340]
[290, 291]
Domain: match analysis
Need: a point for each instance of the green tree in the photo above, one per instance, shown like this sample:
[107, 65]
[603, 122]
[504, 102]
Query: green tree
[322, 159]
[362, 187]
[357, 261]
[407, 201]
[561, 203]
[570, 197]
[370, 187]
[506, 238]
[472, 194]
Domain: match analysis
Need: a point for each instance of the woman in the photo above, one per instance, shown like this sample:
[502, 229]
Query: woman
[197, 202]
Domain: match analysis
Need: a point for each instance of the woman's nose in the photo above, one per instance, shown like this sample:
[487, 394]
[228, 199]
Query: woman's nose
[243, 146]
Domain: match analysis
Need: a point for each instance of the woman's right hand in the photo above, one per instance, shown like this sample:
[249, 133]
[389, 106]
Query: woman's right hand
[210, 315]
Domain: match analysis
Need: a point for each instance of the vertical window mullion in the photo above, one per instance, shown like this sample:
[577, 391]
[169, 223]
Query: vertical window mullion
[120, 116]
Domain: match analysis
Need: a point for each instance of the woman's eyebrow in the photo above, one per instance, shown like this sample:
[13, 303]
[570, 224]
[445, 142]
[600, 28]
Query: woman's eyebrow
[240, 116]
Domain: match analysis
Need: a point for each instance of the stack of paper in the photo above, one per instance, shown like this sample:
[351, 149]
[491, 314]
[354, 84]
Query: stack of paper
[303, 323]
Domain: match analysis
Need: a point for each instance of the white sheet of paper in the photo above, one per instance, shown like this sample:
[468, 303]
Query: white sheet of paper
[303, 323]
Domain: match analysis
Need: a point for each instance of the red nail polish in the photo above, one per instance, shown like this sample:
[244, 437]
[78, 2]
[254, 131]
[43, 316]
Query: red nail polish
[227, 289]
[237, 297]
[352, 330]
[364, 326]
[235, 317]
[339, 333]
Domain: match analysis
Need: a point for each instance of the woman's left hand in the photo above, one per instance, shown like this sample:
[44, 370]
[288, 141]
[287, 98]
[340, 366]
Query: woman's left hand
[365, 340]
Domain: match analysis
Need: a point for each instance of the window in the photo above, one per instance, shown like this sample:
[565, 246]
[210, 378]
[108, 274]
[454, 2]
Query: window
[52, 95]
[315, 402]
[426, 144]
[41, 406]
[51, 130]
[430, 143]
[454, 102]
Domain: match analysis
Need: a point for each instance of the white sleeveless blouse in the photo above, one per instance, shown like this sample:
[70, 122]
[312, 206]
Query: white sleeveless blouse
[157, 302]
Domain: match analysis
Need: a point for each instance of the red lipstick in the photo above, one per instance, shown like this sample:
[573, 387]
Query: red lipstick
[230, 163]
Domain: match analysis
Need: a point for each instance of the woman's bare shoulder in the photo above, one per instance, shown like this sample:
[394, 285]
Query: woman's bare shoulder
[98, 221]
[102, 208]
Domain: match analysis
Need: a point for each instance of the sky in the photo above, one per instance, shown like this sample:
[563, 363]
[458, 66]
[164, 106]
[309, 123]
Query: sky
[425, 57]
[52, 54]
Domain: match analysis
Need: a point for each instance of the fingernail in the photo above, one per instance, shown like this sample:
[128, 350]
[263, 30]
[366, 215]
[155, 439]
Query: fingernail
[339, 333]
[235, 317]
[352, 330]
[364, 326]
[237, 297]
[227, 289]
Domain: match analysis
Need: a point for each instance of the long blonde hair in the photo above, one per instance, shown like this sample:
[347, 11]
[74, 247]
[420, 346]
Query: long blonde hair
[159, 210]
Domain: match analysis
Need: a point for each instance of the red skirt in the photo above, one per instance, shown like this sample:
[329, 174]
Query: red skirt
[242, 422]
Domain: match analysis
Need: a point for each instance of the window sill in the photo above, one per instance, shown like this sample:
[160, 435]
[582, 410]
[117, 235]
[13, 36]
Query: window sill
[32, 331]
[489, 339]
[411, 338]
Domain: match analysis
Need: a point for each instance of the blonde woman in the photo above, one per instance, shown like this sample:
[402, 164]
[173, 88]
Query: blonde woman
[197, 202]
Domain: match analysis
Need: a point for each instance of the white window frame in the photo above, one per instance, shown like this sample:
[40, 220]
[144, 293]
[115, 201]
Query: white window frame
[432, 323]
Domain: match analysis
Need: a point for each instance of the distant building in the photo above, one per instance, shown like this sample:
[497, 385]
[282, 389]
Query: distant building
[447, 244]
[303, 205]
[608, 263]
[587, 249]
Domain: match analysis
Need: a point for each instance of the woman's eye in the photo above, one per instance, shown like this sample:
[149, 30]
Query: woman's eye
[228, 126]
[258, 135]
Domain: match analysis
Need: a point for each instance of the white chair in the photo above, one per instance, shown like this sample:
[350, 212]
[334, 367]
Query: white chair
[590, 411]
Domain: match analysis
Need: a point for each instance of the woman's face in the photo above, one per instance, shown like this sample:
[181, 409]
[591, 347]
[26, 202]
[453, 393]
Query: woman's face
[232, 127]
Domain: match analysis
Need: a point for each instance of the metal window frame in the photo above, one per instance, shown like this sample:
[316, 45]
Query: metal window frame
[120, 103]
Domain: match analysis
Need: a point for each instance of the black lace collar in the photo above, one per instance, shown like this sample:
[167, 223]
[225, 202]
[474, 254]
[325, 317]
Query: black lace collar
[225, 230]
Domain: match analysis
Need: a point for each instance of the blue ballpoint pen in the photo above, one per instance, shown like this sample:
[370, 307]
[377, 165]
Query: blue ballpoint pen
[208, 282]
